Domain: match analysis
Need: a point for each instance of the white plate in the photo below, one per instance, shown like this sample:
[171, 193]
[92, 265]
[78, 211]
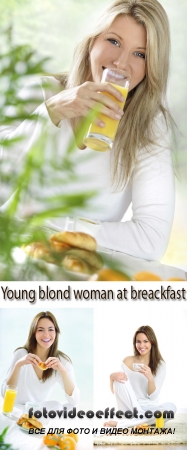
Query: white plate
[23, 429]
[76, 276]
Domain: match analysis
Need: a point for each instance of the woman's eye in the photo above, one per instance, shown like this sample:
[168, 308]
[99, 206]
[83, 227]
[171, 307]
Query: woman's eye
[114, 41]
[140, 55]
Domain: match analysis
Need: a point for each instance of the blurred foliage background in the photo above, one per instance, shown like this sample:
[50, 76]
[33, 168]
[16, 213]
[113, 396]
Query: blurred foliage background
[26, 174]
[54, 27]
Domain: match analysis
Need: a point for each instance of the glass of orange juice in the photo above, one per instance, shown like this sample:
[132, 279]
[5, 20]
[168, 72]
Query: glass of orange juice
[160, 422]
[9, 399]
[101, 139]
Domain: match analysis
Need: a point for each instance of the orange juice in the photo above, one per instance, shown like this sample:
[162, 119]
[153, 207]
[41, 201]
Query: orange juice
[9, 399]
[160, 422]
[111, 125]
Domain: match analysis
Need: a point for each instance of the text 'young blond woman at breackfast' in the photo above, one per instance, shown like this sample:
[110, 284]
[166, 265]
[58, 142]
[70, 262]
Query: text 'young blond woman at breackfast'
[130, 35]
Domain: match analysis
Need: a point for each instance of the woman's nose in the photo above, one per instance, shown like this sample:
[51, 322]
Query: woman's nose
[122, 62]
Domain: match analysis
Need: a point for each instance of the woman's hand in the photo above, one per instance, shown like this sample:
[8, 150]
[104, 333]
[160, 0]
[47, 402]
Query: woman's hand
[54, 363]
[30, 358]
[111, 423]
[145, 370]
[118, 376]
[78, 101]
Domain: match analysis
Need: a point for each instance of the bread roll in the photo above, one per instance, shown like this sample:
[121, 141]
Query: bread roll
[25, 422]
[76, 239]
[22, 419]
[144, 426]
[35, 422]
[27, 426]
[39, 250]
[59, 246]
[74, 264]
[92, 258]
[42, 366]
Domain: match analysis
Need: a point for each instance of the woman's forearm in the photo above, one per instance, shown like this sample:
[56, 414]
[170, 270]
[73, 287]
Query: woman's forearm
[68, 384]
[54, 115]
[13, 378]
[146, 235]
[151, 386]
[111, 385]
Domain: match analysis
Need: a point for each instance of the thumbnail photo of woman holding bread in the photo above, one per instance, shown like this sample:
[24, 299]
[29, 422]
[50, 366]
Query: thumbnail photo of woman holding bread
[39, 364]
[132, 36]
[139, 383]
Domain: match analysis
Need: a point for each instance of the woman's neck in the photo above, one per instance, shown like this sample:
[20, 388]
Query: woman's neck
[42, 353]
[144, 359]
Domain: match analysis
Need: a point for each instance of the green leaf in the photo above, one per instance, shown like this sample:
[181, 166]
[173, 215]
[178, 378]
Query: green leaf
[3, 445]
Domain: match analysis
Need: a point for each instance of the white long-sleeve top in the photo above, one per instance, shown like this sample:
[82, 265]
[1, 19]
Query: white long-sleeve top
[150, 188]
[139, 384]
[31, 389]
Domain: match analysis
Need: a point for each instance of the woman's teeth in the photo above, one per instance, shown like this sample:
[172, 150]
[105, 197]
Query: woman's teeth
[46, 340]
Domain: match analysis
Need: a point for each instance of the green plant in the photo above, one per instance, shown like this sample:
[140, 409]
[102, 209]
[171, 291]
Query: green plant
[3, 444]
[17, 64]
[36, 168]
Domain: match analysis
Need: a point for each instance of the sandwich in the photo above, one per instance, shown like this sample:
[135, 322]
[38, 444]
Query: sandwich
[42, 366]
[75, 239]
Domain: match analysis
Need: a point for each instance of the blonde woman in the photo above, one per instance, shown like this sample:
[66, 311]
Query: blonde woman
[131, 35]
[34, 384]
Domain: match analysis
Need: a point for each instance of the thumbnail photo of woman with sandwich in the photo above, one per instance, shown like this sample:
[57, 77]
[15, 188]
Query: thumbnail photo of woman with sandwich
[39, 364]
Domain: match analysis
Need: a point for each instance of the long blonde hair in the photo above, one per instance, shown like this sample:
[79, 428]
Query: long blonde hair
[148, 99]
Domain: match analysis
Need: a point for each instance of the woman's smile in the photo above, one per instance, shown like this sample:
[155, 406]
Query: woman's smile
[143, 345]
[45, 333]
[142, 350]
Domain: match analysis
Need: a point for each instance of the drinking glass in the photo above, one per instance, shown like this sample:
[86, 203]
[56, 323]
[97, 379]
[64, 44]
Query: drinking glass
[160, 422]
[101, 139]
[86, 225]
[9, 399]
